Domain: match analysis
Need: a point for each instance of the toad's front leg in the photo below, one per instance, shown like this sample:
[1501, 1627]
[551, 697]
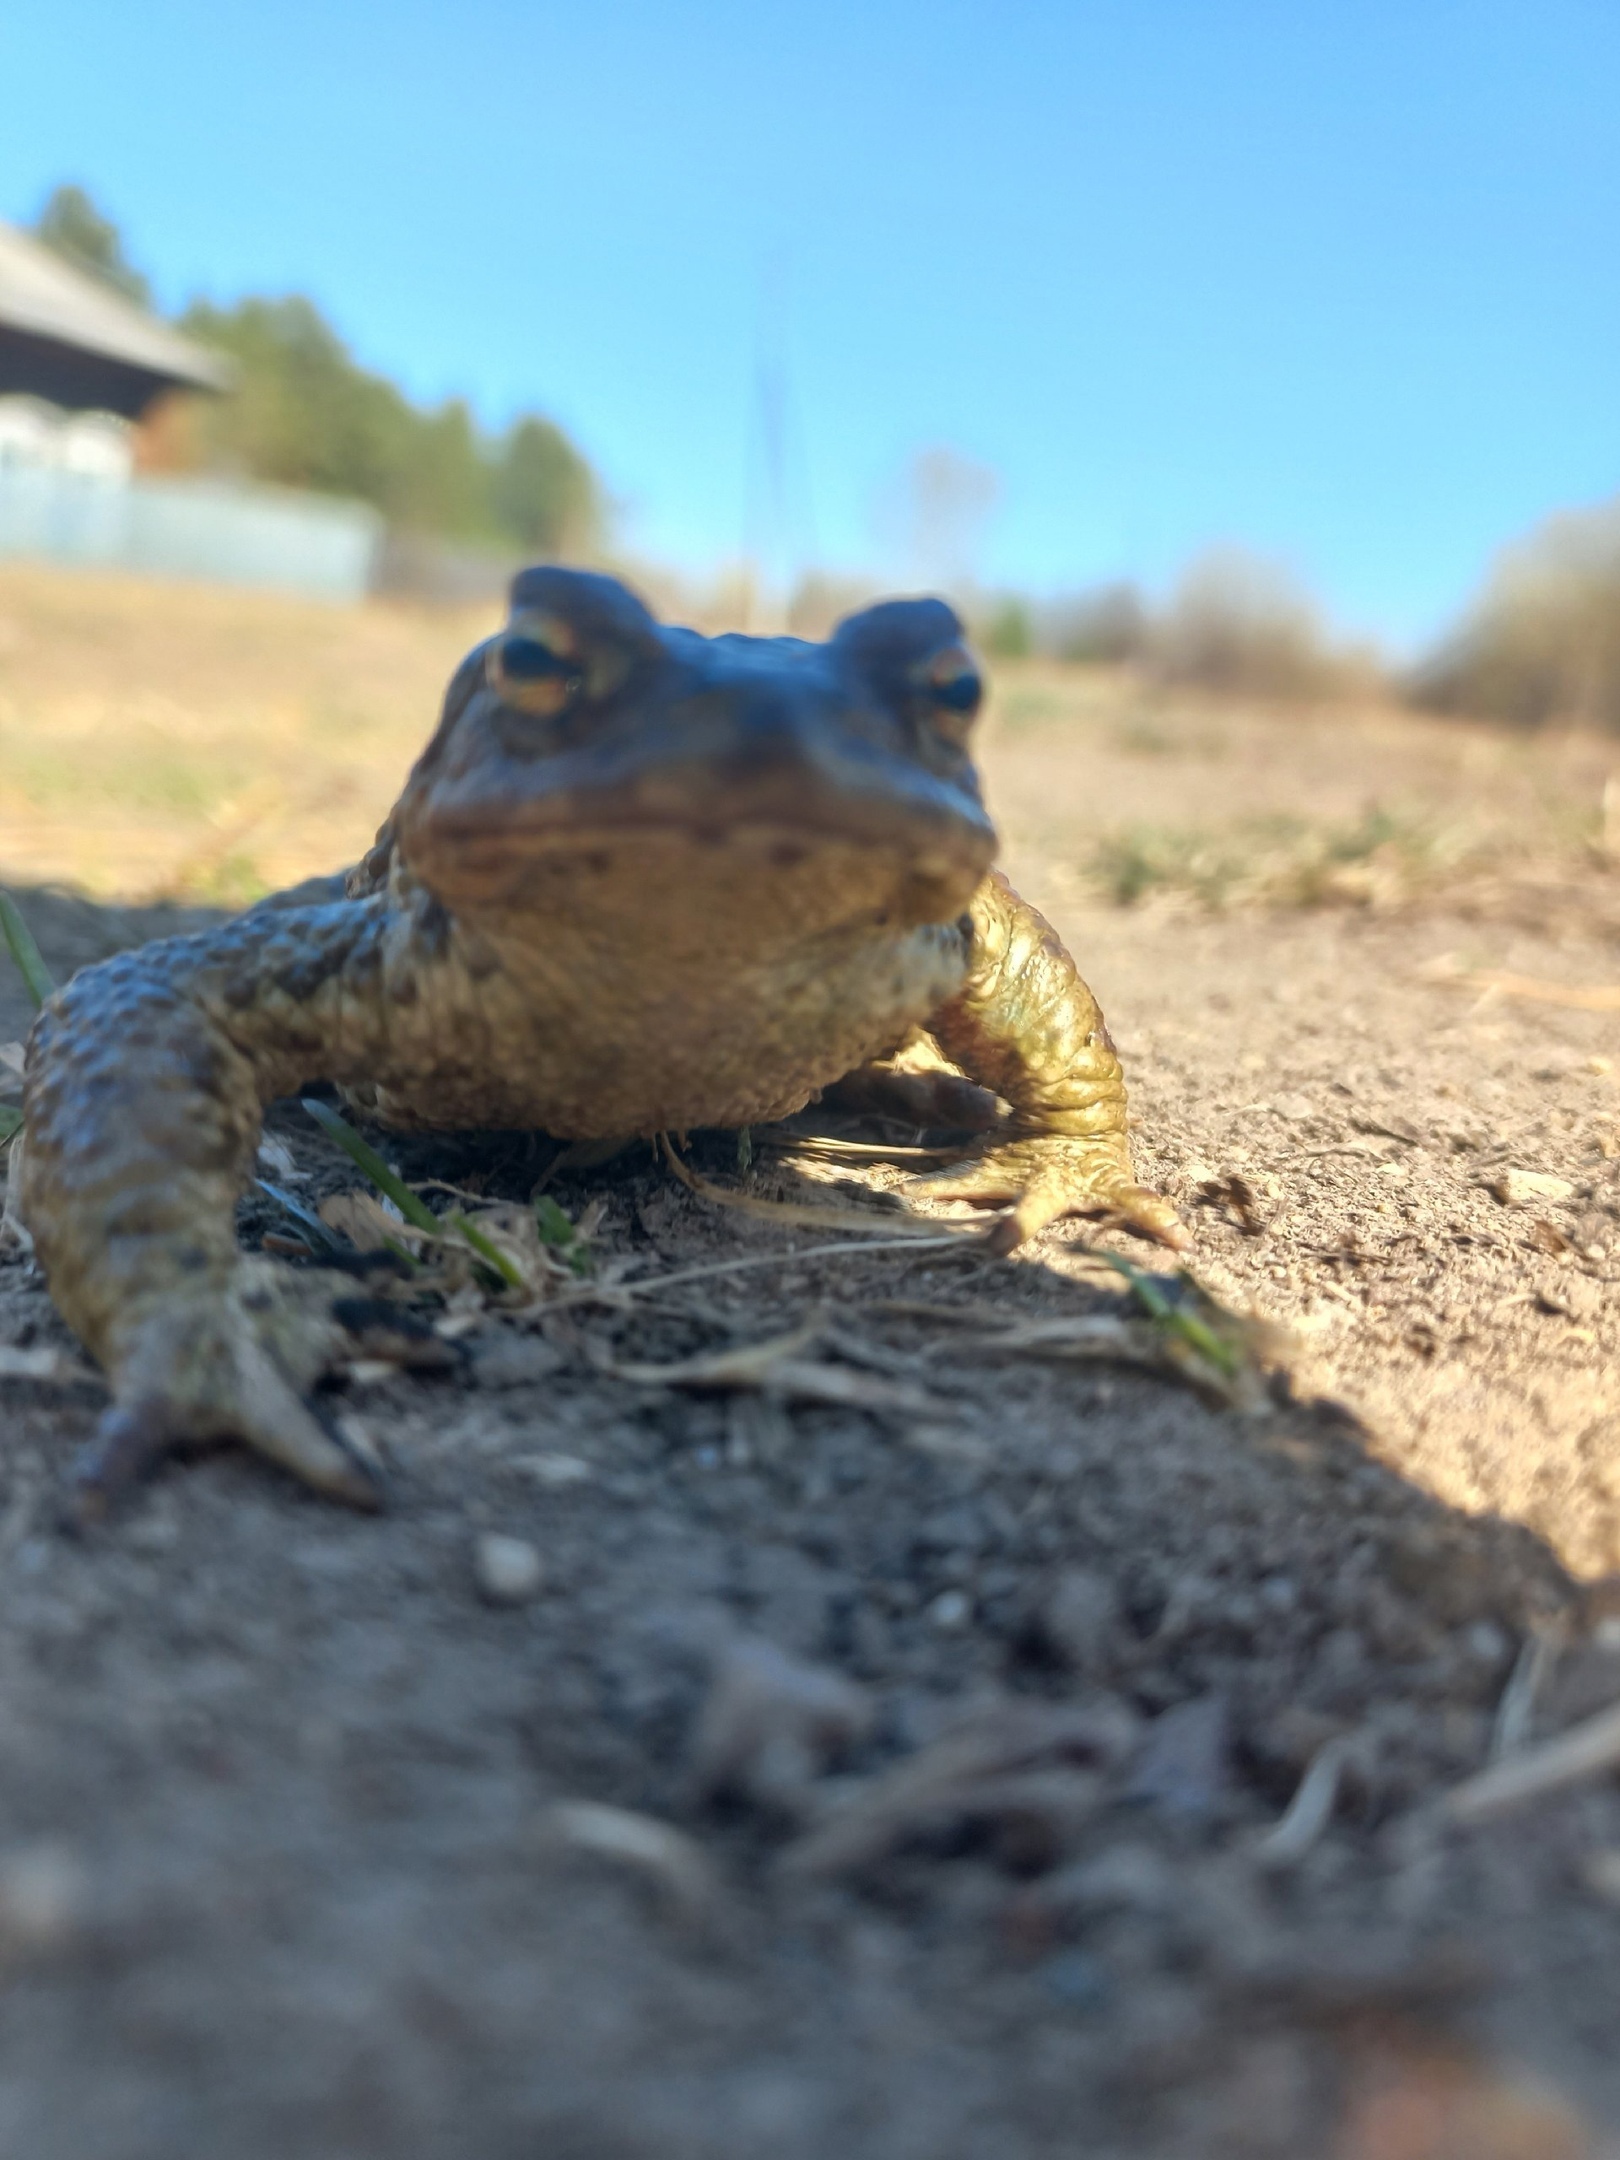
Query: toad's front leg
[145, 1081]
[1025, 1026]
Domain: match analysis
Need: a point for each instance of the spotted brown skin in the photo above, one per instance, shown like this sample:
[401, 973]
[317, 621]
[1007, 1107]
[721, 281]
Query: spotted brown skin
[639, 880]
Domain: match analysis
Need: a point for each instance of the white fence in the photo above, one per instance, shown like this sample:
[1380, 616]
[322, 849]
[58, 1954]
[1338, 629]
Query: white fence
[211, 530]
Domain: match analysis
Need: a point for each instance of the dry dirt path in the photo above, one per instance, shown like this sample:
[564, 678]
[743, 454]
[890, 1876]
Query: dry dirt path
[280, 1867]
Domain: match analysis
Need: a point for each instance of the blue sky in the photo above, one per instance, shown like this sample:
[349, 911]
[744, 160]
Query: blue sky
[1339, 281]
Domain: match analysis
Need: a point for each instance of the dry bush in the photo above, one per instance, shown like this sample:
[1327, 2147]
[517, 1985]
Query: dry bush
[1107, 626]
[1243, 626]
[1543, 643]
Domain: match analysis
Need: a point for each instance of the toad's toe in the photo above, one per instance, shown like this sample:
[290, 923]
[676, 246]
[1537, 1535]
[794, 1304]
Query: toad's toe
[1050, 1176]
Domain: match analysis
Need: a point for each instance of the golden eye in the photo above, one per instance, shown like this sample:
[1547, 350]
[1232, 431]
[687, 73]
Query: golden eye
[953, 690]
[535, 667]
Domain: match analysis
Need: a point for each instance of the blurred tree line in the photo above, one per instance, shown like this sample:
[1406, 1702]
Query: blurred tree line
[305, 414]
[1233, 622]
[1541, 645]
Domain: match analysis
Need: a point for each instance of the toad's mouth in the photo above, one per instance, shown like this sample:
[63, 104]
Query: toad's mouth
[924, 831]
[664, 868]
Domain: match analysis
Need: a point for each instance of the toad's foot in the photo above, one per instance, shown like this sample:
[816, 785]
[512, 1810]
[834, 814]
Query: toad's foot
[230, 1364]
[1051, 1175]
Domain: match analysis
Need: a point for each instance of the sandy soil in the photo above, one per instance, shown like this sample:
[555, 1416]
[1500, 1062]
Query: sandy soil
[952, 1720]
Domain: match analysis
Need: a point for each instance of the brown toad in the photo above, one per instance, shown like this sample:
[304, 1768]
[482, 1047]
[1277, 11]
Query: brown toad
[639, 880]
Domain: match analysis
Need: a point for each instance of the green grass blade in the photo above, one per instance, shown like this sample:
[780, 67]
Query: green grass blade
[24, 951]
[11, 1118]
[552, 1224]
[489, 1252]
[366, 1160]
[560, 1234]
[1174, 1318]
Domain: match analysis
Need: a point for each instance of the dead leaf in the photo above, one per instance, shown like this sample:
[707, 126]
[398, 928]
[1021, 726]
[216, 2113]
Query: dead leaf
[368, 1223]
[1546, 1237]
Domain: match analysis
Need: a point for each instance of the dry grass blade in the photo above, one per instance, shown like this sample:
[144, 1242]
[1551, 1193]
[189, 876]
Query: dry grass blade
[800, 1213]
[746, 1367]
[819, 1147]
[1310, 1811]
[621, 1293]
[1532, 1670]
[1236, 1382]
[981, 1767]
[775, 1367]
[837, 1387]
[672, 1865]
[1502, 982]
[1587, 1750]
[1092, 1335]
[955, 1316]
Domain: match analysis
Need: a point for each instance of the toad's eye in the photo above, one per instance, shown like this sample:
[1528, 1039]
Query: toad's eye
[535, 670]
[952, 692]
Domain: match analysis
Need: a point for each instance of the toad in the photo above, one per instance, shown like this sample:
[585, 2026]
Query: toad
[639, 881]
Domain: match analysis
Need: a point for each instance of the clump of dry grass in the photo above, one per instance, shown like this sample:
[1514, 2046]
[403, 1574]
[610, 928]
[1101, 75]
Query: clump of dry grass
[1378, 860]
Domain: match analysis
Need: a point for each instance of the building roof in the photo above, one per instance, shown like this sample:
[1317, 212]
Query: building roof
[67, 337]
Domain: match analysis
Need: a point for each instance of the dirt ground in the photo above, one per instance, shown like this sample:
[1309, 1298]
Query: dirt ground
[950, 1694]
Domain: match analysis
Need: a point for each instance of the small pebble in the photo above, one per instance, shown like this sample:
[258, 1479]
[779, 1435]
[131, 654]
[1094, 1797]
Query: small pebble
[1296, 1108]
[672, 1865]
[1077, 1978]
[950, 1610]
[42, 1896]
[1521, 1188]
[772, 1723]
[553, 1471]
[508, 1570]
[155, 1533]
[513, 1361]
[1077, 1619]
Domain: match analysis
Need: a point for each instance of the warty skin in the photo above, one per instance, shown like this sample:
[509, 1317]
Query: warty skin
[639, 880]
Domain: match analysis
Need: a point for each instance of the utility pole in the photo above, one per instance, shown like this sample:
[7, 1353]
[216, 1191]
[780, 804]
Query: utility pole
[778, 541]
